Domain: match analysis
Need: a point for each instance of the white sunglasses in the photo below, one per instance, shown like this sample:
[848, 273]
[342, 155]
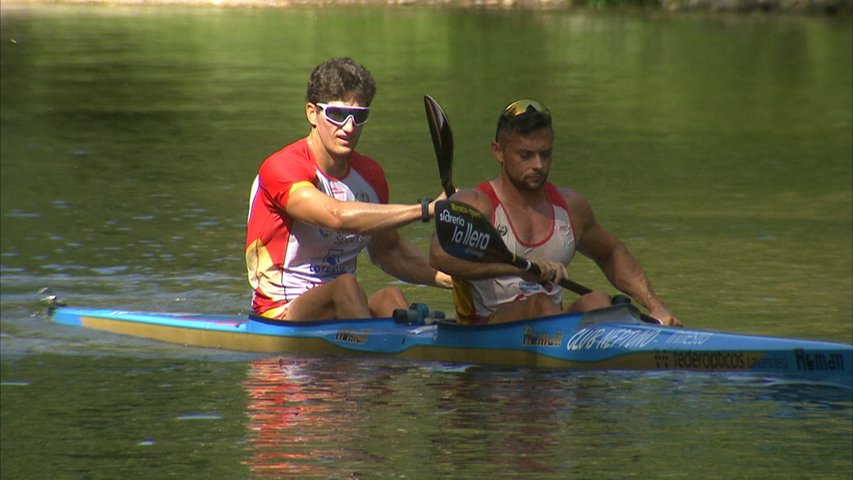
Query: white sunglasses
[340, 114]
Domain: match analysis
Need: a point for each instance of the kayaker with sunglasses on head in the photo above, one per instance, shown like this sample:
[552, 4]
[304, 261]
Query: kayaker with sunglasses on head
[317, 203]
[543, 223]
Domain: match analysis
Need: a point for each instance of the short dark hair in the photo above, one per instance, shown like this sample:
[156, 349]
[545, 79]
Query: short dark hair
[340, 79]
[522, 117]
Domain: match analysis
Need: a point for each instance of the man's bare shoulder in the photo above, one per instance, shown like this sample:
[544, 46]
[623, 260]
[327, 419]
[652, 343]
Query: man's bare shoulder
[579, 207]
[474, 197]
[573, 197]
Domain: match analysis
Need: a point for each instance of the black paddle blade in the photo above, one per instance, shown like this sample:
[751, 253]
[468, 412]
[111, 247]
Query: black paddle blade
[465, 233]
[442, 141]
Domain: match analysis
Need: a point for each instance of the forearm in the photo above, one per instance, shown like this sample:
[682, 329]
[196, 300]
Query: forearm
[309, 205]
[405, 261]
[369, 218]
[626, 274]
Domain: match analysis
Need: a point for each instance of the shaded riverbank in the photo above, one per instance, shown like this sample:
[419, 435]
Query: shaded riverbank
[829, 7]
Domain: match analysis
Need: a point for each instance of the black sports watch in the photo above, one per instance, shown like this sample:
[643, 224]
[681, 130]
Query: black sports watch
[425, 209]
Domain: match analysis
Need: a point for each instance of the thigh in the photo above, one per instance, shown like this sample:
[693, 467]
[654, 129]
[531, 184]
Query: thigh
[539, 305]
[340, 298]
[315, 304]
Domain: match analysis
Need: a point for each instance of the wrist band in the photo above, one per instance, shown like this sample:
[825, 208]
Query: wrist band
[424, 209]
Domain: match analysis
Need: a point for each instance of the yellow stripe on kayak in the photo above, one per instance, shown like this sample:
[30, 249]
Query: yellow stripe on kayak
[661, 360]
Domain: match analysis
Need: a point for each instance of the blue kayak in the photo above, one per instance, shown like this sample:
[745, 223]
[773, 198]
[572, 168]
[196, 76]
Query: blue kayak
[614, 338]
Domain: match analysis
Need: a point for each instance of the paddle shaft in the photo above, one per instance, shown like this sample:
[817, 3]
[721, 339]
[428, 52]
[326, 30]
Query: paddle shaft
[531, 267]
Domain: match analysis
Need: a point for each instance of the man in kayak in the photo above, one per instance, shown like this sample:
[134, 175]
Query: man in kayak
[543, 223]
[317, 203]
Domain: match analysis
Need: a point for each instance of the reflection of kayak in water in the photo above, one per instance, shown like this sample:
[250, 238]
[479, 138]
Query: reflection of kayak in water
[277, 408]
[611, 338]
[307, 416]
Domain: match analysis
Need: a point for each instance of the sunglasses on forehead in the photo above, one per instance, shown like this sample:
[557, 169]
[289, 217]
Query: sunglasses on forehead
[520, 107]
[339, 114]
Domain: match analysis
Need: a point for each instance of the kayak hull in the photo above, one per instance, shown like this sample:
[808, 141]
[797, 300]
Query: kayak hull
[608, 339]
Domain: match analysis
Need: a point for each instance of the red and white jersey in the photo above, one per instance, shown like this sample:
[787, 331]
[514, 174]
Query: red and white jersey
[476, 300]
[285, 257]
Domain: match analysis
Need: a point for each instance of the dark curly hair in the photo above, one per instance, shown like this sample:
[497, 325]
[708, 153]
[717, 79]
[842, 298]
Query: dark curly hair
[341, 79]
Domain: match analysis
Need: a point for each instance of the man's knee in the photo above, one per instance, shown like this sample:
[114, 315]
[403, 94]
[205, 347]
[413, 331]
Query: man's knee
[541, 305]
[393, 293]
[347, 286]
[591, 301]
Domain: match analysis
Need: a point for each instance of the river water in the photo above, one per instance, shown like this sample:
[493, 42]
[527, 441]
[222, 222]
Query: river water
[718, 147]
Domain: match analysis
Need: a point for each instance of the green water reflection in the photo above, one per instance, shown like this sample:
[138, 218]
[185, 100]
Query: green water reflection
[289, 417]
[114, 417]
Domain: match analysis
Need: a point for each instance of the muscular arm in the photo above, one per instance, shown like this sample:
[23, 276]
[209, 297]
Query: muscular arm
[309, 205]
[402, 259]
[614, 259]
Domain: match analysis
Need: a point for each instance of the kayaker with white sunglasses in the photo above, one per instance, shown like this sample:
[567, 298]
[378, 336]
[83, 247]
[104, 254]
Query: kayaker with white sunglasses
[317, 203]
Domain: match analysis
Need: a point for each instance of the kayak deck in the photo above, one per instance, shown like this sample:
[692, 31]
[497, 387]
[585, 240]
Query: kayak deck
[608, 339]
